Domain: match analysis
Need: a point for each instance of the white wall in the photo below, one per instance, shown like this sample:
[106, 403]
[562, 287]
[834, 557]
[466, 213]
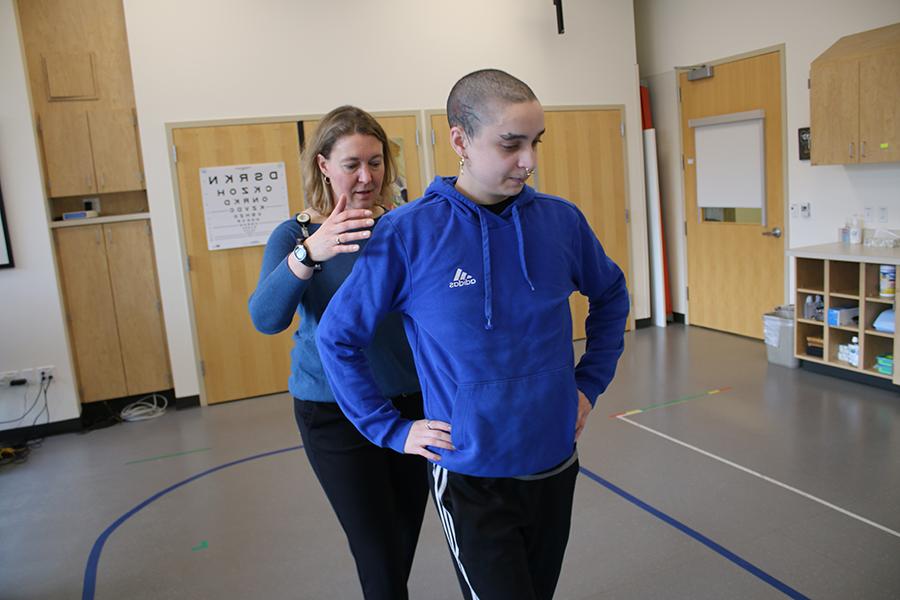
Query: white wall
[32, 330]
[689, 32]
[208, 59]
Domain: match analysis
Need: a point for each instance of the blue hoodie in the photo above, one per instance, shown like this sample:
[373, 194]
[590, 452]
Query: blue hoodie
[485, 305]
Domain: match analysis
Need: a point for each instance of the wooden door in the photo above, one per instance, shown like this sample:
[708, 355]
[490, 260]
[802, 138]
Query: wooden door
[446, 162]
[236, 360]
[66, 143]
[735, 272]
[138, 309]
[582, 159]
[834, 112]
[879, 108]
[114, 143]
[403, 132]
[94, 336]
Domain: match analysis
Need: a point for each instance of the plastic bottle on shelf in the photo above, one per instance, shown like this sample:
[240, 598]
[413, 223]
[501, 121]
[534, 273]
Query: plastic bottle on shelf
[853, 351]
[809, 308]
[856, 230]
[887, 279]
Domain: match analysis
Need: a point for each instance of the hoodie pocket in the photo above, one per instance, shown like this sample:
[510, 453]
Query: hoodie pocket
[516, 426]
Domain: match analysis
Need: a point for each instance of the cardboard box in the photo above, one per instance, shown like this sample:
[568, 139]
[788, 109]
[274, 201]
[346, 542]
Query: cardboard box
[843, 316]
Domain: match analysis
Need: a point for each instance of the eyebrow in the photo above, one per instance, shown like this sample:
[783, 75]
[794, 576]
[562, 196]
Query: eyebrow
[356, 158]
[518, 136]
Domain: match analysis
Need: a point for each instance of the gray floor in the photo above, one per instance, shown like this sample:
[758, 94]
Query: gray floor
[262, 528]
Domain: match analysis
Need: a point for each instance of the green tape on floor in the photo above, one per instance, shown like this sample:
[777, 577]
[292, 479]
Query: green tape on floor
[162, 456]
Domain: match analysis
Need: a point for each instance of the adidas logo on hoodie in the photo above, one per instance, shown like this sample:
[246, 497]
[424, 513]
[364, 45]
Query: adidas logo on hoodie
[462, 279]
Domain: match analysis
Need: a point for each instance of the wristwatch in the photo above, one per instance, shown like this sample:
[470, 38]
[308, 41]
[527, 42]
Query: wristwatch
[302, 255]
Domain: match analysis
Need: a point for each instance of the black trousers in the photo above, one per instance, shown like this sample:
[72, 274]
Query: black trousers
[507, 537]
[379, 496]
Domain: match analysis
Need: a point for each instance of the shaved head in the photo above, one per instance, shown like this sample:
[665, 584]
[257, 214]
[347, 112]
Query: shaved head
[475, 97]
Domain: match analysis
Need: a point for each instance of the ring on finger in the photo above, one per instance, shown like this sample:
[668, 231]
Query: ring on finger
[337, 240]
[428, 425]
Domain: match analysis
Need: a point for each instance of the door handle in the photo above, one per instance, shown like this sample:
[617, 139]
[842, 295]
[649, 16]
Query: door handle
[776, 232]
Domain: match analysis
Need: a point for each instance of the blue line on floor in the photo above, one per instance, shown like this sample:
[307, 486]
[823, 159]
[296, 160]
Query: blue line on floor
[747, 566]
[90, 571]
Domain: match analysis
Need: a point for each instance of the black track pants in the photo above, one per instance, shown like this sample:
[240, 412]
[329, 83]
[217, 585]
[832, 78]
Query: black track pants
[379, 496]
[507, 537]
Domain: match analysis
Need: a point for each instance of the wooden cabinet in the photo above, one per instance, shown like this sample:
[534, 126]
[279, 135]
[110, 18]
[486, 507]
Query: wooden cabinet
[113, 308]
[90, 152]
[855, 100]
[845, 281]
[82, 94]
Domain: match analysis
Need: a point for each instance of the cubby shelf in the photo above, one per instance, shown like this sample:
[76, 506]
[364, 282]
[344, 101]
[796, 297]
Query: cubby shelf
[810, 321]
[844, 277]
[877, 333]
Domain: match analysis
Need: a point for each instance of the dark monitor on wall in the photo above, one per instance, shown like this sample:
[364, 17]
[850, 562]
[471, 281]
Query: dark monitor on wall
[6, 258]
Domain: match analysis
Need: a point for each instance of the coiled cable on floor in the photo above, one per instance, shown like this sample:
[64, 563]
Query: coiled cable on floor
[145, 408]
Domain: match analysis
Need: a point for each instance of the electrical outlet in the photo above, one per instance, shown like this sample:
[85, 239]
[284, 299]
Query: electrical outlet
[795, 210]
[44, 372]
[8, 376]
[805, 210]
[882, 214]
[30, 375]
[867, 214]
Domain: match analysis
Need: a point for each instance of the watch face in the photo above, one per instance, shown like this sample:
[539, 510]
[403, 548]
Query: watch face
[300, 252]
[303, 218]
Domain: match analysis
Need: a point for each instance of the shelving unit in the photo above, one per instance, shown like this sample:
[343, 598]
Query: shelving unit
[844, 276]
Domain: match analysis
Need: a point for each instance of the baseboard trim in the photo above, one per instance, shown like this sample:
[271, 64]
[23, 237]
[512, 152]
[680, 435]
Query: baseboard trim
[821, 369]
[187, 402]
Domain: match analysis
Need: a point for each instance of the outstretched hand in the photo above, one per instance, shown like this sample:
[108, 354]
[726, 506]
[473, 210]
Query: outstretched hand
[427, 432]
[338, 232]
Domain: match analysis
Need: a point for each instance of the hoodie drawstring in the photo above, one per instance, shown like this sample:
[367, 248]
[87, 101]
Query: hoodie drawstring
[486, 259]
[521, 240]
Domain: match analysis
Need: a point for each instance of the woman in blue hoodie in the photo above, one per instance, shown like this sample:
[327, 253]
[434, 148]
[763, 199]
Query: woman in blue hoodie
[379, 496]
[481, 268]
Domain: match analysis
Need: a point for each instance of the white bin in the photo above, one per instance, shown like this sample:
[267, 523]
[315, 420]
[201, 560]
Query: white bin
[778, 327]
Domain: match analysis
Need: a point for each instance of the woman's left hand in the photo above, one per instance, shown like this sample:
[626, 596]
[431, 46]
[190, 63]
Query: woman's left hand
[584, 409]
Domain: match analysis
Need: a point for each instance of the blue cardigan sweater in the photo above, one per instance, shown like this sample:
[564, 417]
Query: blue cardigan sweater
[280, 293]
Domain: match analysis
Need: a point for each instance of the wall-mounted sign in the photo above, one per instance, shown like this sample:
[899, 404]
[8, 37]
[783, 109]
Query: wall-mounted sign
[242, 204]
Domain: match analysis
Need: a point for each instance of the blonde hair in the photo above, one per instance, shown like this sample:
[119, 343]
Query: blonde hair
[340, 122]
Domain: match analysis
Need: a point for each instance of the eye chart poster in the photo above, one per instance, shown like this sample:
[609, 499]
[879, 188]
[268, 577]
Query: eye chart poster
[242, 204]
